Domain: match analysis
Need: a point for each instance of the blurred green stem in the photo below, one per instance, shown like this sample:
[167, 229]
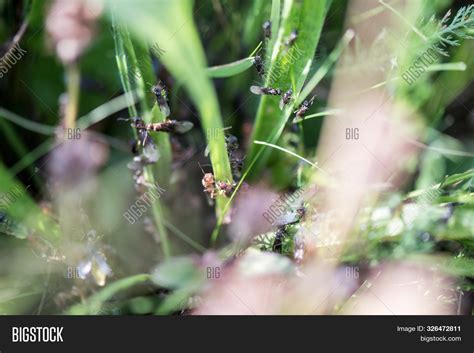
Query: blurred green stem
[93, 305]
[73, 87]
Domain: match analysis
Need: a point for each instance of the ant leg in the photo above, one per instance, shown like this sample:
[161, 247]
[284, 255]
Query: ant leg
[145, 138]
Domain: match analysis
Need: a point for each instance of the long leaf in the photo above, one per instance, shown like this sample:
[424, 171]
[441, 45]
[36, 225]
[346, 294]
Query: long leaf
[325, 67]
[27, 124]
[142, 71]
[123, 65]
[17, 204]
[170, 24]
[229, 70]
[307, 18]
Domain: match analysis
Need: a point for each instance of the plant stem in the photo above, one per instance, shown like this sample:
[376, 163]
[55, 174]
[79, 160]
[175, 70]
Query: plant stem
[73, 88]
[157, 209]
[413, 27]
[142, 72]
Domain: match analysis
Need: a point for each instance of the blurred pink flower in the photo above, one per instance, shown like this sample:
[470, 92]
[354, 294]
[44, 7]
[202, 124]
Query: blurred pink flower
[70, 26]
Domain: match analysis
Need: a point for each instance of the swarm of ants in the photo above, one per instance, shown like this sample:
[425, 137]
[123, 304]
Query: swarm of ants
[146, 152]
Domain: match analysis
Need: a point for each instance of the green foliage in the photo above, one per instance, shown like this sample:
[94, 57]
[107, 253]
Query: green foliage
[123, 45]
[450, 28]
[285, 66]
[94, 304]
[231, 69]
[185, 59]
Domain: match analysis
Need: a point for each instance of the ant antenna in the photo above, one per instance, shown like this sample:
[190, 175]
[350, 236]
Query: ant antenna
[202, 170]
[134, 119]
[205, 165]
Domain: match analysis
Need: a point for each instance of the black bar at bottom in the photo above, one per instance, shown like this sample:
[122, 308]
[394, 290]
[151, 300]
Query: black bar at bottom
[290, 333]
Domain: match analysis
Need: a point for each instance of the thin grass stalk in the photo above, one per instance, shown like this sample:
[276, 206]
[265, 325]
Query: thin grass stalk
[157, 209]
[73, 87]
[162, 168]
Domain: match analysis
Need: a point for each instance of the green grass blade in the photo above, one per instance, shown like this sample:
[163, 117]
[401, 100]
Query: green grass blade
[170, 24]
[307, 17]
[122, 63]
[188, 240]
[162, 168]
[273, 137]
[13, 139]
[231, 69]
[317, 115]
[23, 209]
[325, 67]
[93, 117]
[17, 144]
[287, 151]
[407, 23]
[459, 66]
[32, 156]
[140, 72]
[27, 124]
[275, 19]
[135, 73]
[103, 111]
[253, 22]
[456, 178]
[177, 300]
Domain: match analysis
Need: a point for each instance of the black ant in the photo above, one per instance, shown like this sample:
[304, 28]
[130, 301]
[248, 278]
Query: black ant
[232, 144]
[283, 222]
[236, 163]
[292, 38]
[258, 63]
[265, 90]
[280, 234]
[161, 98]
[267, 29]
[304, 107]
[136, 166]
[213, 188]
[169, 126]
[286, 98]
